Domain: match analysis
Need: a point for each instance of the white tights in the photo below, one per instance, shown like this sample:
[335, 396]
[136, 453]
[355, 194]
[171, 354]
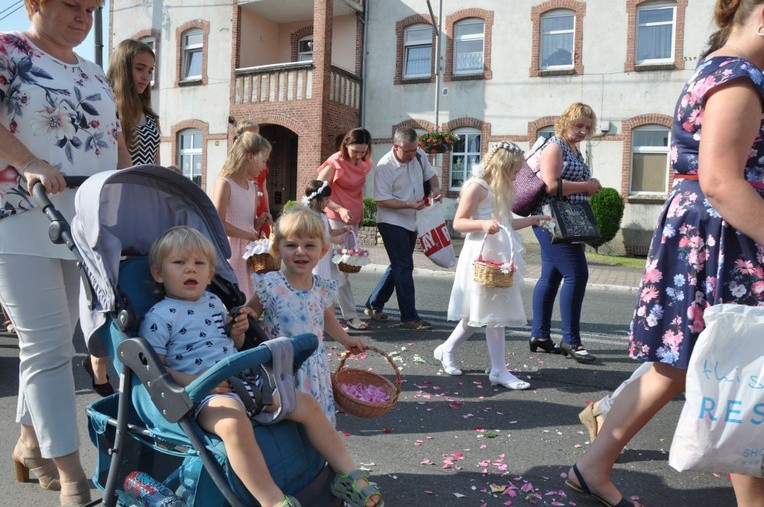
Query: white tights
[494, 337]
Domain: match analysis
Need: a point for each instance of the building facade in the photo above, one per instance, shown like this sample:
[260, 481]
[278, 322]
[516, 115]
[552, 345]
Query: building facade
[308, 71]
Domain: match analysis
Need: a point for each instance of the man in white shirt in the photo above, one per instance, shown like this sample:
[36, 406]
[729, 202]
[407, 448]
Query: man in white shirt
[399, 192]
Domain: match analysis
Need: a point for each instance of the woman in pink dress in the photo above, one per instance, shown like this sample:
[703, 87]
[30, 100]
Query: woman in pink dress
[346, 173]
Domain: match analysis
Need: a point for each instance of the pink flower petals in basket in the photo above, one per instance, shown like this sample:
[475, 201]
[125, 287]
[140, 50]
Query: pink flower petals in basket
[367, 393]
[350, 260]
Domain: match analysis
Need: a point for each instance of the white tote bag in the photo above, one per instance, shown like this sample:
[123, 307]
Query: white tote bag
[721, 428]
[433, 236]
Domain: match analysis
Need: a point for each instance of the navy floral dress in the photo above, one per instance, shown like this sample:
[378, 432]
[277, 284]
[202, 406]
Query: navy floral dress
[696, 259]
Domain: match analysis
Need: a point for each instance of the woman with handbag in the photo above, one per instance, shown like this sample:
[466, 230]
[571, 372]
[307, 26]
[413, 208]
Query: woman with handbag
[708, 245]
[563, 165]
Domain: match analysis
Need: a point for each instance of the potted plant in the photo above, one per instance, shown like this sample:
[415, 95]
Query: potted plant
[437, 141]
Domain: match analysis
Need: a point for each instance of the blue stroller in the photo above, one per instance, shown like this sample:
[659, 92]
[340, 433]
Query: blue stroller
[149, 425]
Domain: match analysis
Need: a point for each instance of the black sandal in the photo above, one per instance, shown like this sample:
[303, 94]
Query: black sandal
[583, 489]
[103, 390]
[545, 344]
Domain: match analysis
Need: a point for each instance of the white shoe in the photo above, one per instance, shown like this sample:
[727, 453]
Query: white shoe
[446, 360]
[507, 380]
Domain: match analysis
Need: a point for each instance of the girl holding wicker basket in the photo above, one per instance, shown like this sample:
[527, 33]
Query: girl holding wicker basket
[488, 278]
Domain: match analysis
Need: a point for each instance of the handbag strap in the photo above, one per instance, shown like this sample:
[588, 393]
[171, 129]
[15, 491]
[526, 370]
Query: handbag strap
[424, 181]
[511, 245]
[559, 195]
[355, 239]
[538, 149]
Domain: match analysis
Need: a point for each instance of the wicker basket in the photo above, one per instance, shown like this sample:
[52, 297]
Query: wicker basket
[263, 263]
[361, 408]
[489, 275]
[347, 268]
[492, 273]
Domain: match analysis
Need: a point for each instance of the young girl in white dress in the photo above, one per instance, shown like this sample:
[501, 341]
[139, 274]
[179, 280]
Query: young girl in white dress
[293, 300]
[316, 197]
[485, 215]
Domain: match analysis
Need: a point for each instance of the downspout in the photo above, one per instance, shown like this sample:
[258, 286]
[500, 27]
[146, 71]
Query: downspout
[436, 25]
[363, 62]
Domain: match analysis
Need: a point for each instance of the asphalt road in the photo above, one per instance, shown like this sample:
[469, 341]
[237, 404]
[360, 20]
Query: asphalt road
[457, 441]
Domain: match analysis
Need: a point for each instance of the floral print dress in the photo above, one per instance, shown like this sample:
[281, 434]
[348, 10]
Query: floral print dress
[289, 312]
[696, 259]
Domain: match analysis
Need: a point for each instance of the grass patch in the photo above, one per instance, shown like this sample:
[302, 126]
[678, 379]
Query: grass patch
[616, 260]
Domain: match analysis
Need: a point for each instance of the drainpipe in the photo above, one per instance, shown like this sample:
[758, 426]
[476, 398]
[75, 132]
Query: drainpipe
[436, 25]
[362, 101]
[98, 46]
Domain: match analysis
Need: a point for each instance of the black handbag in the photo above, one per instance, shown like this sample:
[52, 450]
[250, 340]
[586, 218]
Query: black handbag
[573, 222]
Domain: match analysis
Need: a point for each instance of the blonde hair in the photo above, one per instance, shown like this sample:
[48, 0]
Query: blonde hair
[298, 221]
[31, 11]
[181, 239]
[247, 143]
[573, 113]
[500, 167]
[130, 104]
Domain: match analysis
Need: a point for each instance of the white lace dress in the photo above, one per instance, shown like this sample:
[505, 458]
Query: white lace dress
[484, 306]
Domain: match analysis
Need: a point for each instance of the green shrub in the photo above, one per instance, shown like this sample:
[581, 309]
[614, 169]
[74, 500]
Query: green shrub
[607, 206]
[288, 205]
[369, 211]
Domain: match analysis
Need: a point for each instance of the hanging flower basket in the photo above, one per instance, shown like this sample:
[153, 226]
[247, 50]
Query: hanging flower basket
[437, 141]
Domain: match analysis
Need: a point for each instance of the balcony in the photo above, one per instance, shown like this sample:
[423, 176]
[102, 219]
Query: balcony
[293, 81]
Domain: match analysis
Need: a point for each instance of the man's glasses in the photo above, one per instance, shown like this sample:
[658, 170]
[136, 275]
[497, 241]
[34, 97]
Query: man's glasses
[407, 152]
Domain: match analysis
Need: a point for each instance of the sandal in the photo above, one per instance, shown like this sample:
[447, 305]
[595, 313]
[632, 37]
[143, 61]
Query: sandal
[375, 314]
[346, 488]
[357, 324]
[416, 325]
[583, 489]
[289, 501]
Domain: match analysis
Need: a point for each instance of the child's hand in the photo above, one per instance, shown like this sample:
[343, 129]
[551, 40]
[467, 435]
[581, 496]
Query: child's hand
[490, 226]
[354, 345]
[537, 219]
[237, 321]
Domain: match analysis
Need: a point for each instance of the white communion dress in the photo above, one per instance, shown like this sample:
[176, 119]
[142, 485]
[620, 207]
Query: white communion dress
[488, 306]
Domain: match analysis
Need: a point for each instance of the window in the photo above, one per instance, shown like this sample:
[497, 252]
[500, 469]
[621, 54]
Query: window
[649, 160]
[545, 132]
[305, 49]
[190, 154]
[193, 45]
[468, 47]
[464, 155]
[557, 35]
[152, 43]
[417, 58]
[655, 33]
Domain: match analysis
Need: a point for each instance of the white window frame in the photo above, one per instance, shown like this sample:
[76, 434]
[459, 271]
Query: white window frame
[571, 32]
[650, 7]
[194, 152]
[189, 50]
[415, 37]
[151, 42]
[302, 55]
[650, 150]
[471, 157]
[461, 40]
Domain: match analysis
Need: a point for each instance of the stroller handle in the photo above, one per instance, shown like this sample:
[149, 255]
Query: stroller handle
[58, 231]
[41, 196]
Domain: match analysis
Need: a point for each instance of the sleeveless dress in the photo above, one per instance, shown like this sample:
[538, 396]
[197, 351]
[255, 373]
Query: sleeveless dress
[289, 312]
[488, 306]
[146, 144]
[325, 267]
[696, 259]
[241, 214]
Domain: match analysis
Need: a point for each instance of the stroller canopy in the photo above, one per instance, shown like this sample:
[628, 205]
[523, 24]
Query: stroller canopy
[119, 214]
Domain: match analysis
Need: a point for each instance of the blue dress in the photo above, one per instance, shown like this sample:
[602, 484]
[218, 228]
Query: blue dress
[696, 259]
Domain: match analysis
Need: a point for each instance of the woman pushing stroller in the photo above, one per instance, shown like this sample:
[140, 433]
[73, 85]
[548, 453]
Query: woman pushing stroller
[188, 331]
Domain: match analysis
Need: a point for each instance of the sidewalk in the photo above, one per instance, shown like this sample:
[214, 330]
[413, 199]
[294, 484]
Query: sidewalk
[600, 275]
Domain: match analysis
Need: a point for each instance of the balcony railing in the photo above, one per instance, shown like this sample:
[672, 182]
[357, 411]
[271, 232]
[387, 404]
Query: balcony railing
[345, 88]
[293, 81]
[274, 83]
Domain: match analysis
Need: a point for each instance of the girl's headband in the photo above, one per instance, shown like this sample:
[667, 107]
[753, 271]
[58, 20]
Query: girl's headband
[319, 191]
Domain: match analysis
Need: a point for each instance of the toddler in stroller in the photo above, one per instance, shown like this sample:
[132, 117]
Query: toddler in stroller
[187, 331]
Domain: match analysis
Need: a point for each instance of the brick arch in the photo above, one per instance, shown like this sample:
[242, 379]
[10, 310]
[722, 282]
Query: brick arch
[451, 21]
[474, 123]
[204, 128]
[295, 37]
[540, 123]
[400, 28]
[205, 27]
[631, 38]
[579, 11]
[627, 126]
[414, 124]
